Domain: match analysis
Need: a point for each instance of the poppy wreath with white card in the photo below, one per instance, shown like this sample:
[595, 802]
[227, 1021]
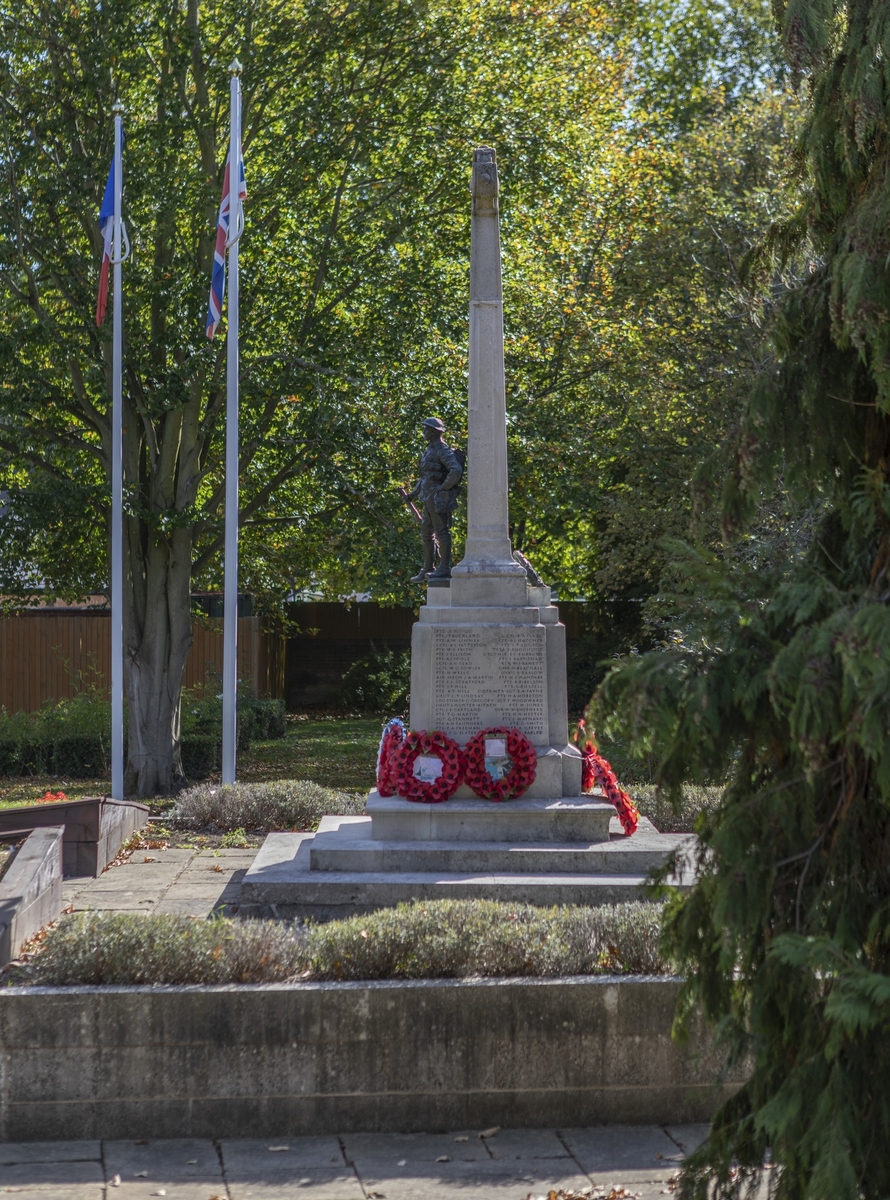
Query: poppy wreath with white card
[392, 737]
[501, 763]
[428, 767]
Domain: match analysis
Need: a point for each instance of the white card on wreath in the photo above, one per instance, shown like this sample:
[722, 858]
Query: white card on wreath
[427, 768]
[495, 747]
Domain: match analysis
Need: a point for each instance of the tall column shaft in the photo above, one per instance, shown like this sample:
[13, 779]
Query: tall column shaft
[488, 551]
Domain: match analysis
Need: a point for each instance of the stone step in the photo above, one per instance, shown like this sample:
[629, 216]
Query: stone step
[582, 819]
[330, 895]
[281, 883]
[623, 856]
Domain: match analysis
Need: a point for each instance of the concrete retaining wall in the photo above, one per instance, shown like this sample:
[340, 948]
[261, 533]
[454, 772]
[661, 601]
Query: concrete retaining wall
[251, 1061]
[95, 828]
[31, 890]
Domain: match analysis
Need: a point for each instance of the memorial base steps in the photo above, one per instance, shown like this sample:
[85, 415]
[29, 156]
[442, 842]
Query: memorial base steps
[343, 870]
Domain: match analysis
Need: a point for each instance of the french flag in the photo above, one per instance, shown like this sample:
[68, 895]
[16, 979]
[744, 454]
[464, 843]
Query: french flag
[106, 224]
[218, 278]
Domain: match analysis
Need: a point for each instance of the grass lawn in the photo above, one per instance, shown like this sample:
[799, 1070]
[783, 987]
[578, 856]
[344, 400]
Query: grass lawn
[333, 750]
[340, 751]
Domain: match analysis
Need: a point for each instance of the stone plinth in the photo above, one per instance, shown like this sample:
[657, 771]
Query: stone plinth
[575, 819]
[477, 666]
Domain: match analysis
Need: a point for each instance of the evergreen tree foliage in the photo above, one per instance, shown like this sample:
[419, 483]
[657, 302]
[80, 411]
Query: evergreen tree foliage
[779, 680]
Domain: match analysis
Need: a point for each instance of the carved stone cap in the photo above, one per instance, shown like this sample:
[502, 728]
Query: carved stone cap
[484, 182]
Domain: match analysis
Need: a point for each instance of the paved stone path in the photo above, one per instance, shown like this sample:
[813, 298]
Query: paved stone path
[621, 1162]
[195, 882]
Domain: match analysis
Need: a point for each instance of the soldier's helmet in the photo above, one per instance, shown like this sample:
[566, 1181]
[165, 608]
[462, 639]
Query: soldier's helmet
[435, 423]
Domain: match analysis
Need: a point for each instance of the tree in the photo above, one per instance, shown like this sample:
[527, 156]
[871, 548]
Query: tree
[630, 335]
[781, 684]
[358, 120]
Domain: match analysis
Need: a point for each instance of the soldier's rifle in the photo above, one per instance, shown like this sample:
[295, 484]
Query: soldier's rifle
[403, 492]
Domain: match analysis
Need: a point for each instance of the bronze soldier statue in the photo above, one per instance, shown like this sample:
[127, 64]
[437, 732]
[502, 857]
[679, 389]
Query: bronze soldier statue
[440, 474]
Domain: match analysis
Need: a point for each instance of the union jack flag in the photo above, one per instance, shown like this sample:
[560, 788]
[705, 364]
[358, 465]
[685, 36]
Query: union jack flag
[218, 278]
[106, 224]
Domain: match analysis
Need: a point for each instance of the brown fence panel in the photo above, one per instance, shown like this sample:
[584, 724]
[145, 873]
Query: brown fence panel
[330, 621]
[53, 654]
[270, 672]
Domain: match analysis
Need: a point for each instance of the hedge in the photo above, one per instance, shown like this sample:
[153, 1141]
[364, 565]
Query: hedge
[71, 738]
[438, 939]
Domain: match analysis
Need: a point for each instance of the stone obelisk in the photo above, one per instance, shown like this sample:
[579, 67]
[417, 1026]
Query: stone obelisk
[488, 648]
[487, 573]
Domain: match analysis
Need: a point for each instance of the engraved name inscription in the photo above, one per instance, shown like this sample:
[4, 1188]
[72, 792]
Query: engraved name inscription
[488, 677]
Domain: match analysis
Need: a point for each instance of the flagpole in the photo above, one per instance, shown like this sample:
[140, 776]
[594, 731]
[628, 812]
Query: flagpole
[117, 483]
[230, 598]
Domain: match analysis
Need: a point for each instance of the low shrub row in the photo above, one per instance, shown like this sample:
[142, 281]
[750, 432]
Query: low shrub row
[300, 804]
[71, 738]
[378, 682]
[284, 804]
[668, 818]
[442, 939]
[258, 719]
[445, 939]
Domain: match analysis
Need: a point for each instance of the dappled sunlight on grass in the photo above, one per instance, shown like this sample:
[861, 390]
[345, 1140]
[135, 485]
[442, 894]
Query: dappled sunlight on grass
[333, 750]
[26, 789]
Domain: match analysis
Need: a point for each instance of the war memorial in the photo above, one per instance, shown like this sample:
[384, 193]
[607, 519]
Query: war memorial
[488, 674]
[482, 797]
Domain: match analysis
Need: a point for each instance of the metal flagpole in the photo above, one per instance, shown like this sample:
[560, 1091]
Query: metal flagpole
[230, 598]
[117, 483]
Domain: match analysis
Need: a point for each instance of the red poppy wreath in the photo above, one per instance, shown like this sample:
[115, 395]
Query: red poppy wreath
[523, 759]
[596, 770]
[427, 745]
[392, 737]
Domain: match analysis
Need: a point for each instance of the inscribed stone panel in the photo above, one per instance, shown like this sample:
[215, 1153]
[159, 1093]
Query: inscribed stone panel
[488, 676]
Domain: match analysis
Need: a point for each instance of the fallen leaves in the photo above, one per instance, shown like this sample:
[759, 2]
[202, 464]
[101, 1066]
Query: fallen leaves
[595, 1192]
[487, 1133]
[129, 848]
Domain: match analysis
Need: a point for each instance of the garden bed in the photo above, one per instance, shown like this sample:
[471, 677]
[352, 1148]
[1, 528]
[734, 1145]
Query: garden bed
[438, 939]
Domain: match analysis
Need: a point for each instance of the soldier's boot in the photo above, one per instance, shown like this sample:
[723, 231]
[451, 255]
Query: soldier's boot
[427, 567]
[443, 570]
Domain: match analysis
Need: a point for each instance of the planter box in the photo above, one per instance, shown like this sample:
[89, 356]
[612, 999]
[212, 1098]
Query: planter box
[273, 1060]
[95, 828]
[31, 890]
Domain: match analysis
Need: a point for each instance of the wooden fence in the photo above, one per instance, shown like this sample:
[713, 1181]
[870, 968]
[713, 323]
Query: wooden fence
[51, 654]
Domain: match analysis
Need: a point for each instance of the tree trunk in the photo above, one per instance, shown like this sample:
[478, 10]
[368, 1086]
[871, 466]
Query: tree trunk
[157, 637]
